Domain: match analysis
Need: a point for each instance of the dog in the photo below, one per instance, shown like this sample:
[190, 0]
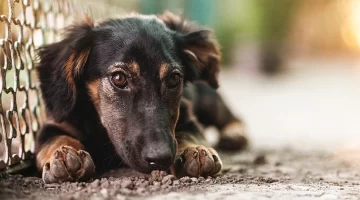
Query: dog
[134, 91]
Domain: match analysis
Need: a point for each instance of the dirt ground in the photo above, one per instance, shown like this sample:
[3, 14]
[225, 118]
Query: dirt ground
[257, 174]
[305, 145]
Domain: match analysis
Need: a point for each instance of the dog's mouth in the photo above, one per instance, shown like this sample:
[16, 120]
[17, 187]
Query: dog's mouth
[142, 166]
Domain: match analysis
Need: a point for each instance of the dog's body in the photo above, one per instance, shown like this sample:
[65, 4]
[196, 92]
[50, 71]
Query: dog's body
[120, 93]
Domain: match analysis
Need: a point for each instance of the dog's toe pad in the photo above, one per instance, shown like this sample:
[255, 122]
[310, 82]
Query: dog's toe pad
[68, 164]
[198, 161]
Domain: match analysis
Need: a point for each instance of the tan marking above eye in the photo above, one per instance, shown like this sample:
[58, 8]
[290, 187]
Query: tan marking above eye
[134, 68]
[163, 70]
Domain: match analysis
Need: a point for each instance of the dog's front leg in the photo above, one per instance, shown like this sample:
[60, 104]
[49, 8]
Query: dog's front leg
[61, 157]
[194, 157]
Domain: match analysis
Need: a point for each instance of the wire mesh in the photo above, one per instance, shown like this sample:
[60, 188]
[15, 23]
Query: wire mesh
[24, 26]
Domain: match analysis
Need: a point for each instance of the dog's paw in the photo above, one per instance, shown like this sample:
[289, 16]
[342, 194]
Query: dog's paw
[197, 161]
[68, 164]
[233, 137]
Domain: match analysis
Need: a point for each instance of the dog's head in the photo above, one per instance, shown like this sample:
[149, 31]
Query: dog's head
[133, 70]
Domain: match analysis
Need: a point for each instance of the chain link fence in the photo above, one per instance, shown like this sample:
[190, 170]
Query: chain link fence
[24, 26]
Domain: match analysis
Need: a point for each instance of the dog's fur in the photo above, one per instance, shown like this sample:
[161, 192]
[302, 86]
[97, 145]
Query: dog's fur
[171, 69]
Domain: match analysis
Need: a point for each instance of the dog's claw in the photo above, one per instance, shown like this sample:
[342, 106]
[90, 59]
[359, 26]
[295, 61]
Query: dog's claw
[197, 161]
[68, 164]
[47, 176]
[88, 165]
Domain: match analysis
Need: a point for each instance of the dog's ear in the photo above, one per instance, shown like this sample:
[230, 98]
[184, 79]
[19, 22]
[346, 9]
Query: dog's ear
[199, 48]
[60, 68]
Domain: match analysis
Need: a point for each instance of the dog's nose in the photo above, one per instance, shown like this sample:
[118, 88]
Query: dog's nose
[159, 160]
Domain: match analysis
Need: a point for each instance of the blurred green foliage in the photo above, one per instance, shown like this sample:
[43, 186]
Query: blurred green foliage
[274, 17]
[234, 21]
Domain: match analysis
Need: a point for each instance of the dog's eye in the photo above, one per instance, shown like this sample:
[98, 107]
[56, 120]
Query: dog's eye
[119, 80]
[173, 80]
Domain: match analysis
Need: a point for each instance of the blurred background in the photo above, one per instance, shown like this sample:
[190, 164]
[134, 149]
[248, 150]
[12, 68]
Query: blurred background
[290, 68]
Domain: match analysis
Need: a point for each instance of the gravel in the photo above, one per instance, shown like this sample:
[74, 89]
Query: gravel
[314, 175]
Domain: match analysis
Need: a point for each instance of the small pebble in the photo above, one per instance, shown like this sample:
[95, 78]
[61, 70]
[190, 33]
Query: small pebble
[157, 175]
[154, 188]
[104, 192]
[185, 179]
[260, 160]
[140, 190]
[156, 183]
[127, 183]
[125, 191]
[94, 197]
[194, 180]
[120, 197]
[76, 195]
[52, 186]
[208, 180]
[95, 183]
[176, 182]
[105, 184]
[31, 179]
[200, 179]
[167, 180]
[144, 184]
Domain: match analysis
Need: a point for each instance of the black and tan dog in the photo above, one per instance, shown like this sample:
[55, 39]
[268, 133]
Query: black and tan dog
[132, 91]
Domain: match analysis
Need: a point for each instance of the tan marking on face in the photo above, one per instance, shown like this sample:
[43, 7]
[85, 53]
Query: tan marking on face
[80, 61]
[73, 67]
[93, 88]
[69, 71]
[163, 70]
[134, 68]
[49, 148]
